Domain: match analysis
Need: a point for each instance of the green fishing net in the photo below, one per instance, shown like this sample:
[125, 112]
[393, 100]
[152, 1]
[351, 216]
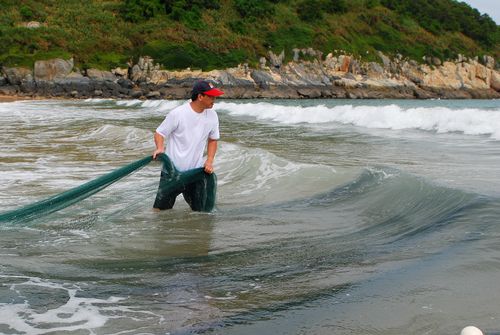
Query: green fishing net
[199, 190]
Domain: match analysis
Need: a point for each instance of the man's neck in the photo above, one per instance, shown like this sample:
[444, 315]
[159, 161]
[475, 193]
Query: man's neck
[197, 107]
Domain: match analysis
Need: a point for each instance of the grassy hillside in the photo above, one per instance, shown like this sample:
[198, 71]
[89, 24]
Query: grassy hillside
[223, 33]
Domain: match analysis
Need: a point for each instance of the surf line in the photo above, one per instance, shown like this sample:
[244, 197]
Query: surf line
[171, 180]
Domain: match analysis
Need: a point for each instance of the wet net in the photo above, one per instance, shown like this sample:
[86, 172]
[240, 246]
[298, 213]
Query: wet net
[198, 188]
[201, 185]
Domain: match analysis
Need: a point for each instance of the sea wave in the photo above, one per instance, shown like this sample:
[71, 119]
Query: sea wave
[469, 121]
[256, 176]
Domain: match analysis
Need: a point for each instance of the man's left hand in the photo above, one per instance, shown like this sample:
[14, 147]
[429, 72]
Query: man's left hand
[208, 167]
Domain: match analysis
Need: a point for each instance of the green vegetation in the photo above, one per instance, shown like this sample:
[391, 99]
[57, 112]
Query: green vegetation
[210, 34]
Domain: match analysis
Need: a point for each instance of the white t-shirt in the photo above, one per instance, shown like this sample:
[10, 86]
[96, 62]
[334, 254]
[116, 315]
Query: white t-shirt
[186, 133]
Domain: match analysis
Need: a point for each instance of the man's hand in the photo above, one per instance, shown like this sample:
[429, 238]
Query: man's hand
[208, 167]
[157, 152]
[211, 149]
[159, 143]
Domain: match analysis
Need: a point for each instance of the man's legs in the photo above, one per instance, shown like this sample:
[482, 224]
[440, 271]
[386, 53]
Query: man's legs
[200, 195]
[166, 195]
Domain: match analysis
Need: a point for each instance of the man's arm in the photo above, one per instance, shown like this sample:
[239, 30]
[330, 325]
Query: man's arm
[211, 150]
[160, 144]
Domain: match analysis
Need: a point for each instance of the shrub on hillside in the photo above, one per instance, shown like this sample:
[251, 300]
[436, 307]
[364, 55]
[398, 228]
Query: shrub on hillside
[313, 10]
[254, 9]
[140, 10]
[180, 56]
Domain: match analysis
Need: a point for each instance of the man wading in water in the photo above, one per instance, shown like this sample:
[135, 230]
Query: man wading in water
[186, 130]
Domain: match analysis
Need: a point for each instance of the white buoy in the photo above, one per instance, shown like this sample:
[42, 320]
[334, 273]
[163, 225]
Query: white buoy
[471, 330]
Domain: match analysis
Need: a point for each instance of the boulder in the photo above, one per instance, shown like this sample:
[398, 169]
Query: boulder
[375, 70]
[344, 63]
[304, 74]
[263, 79]
[262, 62]
[495, 80]
[16, 75]
[8, 90]
[120, 72]
[99, 75]
[385, 60]
[145, 70]
[125, 83]
[52, 69]
[276, 60]
[412, 72]
[136, 94]
[154, 95]
[436, 61]
[489, 61]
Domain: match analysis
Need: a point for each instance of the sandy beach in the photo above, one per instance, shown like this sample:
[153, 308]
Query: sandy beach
[9, 98]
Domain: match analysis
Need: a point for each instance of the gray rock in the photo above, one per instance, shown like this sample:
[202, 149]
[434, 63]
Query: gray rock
[375, 68]
[436, 61]
[354, 67]
[488, 61]
[125, 83]
[28, 86]
[310, 92]
[99, 75]
[136, 94]
[495, 81]
[77, 79]
[52, 69]
[276, 60]
[262, 79]
[154, 95]
[8, 90]
[385, 60]
[262, 62]
[349, 76]
[16, 75]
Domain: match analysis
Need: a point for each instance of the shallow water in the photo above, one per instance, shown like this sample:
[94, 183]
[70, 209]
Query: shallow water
[333, 216]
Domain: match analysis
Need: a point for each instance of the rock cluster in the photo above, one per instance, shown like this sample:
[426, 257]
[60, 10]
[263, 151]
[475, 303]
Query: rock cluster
[337, 75]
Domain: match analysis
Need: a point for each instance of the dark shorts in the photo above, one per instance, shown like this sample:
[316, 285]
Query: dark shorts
[199, 194]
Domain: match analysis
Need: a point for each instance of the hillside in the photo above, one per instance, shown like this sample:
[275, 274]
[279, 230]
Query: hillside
[214, 34]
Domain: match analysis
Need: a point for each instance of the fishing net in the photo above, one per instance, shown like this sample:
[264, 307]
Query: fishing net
[199, 186]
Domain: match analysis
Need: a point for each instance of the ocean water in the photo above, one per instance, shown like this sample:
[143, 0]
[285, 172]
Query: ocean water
[333, 217]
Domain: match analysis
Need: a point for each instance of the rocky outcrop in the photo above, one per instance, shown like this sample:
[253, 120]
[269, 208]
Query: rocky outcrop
[310, 75]
[17, 75]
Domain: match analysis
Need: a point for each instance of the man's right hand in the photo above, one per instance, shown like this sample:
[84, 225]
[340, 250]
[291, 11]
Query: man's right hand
[159, 143]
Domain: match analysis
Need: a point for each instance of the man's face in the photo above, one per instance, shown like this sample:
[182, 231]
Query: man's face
[207, 101]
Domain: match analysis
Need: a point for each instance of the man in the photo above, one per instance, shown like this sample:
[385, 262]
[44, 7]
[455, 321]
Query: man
[186, 130]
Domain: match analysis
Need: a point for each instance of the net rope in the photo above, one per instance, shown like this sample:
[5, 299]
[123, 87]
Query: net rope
[171, 180]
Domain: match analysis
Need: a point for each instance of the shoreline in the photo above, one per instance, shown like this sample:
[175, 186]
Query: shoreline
[111, 90]
[341, 77]
[12, 98]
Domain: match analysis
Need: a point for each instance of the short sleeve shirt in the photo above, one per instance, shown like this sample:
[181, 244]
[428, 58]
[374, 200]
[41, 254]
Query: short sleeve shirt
[186, 133]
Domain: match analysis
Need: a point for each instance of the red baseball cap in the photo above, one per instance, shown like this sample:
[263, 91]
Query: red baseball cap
[205, 87]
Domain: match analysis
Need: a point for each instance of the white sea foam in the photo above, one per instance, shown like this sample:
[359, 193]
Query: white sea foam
[469, 121]
[118, 134]
[151, 106]
[130, 103]
[73, 314]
